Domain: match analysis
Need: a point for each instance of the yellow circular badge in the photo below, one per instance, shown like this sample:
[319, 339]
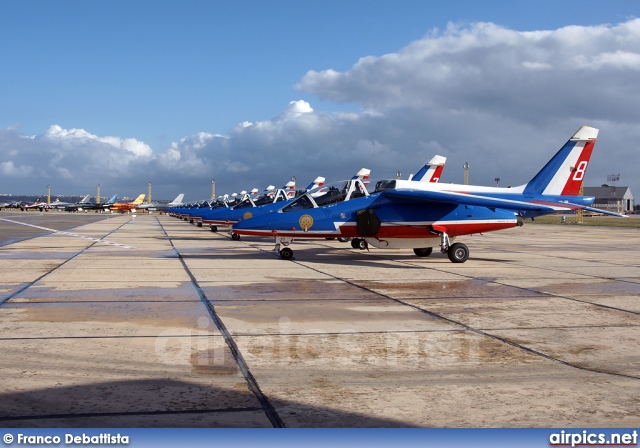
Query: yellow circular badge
[247, 215]
[306, 221]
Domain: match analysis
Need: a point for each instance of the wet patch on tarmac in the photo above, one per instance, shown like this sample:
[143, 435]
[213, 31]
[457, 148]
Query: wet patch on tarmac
[285, 290]
[604, 351]
[345, 316]
[215, 361]
[183, 292]
[471, 289]
[30, 320]
[551, 312]
[624, 302]
[601, 287]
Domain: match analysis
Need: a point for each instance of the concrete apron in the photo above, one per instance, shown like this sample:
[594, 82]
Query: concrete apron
[534, 330]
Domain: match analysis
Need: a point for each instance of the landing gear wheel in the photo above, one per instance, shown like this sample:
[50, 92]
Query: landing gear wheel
[423, 251]
[235, 237]
[358, 243]
[286, 254]
[458, 253]
[214, 228]
[199, 224]
[343, 240]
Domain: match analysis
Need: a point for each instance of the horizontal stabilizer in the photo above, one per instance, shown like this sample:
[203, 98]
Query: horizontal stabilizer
[605, 212]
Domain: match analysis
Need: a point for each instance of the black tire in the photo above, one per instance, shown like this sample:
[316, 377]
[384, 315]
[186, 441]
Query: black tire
[362, 244]
[236, 237]
[343, 240]
[286, 254]
[423, 251]
[458, 253]
[213, 228]
[199, 224]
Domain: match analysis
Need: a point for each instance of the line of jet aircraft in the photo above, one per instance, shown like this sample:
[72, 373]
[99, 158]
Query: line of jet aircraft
[111, 205]
[419, 213]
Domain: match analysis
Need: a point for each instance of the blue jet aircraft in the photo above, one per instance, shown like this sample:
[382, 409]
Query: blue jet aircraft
[257, 205]
[422, 215]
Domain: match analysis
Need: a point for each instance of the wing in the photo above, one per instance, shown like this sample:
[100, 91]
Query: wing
[450, 197]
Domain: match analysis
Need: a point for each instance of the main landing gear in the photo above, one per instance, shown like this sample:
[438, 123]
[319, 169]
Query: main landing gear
[359, 243]
[457, 252]
[423, 252]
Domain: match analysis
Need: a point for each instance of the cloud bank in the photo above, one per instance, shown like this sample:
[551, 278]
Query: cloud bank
[500, 99]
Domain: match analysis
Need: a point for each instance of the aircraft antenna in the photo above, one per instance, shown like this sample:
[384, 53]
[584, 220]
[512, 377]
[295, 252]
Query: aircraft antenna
[466, 173]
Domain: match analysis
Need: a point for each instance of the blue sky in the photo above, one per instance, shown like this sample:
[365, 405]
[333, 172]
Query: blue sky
[132, 86]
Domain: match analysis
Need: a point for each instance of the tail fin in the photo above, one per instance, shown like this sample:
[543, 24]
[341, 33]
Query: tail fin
[139, 199]
[290, 188]
[362, 174]
[564, 173]
[318, 182]
[432, 171]
[178, 199]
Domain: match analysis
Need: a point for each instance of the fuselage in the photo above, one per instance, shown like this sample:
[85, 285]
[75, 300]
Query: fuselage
[398, 221]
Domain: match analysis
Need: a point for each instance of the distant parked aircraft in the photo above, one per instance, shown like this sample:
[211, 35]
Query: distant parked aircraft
[61, 205]
[159, 206]
[85, 205]
[123, 207]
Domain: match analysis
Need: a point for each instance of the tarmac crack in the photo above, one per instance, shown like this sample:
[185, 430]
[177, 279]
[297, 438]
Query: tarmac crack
[472, 329]
[542, 293]
[252, 383]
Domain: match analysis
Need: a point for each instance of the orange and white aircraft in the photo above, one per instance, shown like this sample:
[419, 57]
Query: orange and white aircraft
[124, 207]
